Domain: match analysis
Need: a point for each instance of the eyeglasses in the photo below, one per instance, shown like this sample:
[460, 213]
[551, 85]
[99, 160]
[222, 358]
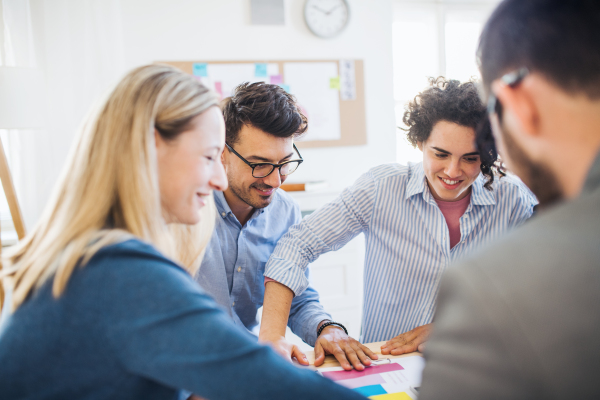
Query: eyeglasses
[262, 170]
[511, 79]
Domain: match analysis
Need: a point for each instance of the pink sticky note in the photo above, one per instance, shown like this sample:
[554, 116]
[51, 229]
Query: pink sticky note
[219, 88]
[276, 80]
[376, 369]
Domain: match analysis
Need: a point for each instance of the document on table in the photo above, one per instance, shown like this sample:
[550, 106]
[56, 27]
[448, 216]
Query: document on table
[395, 380]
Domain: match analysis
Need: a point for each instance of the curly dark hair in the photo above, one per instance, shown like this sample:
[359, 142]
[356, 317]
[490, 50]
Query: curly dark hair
[452, 101]
[264, 106]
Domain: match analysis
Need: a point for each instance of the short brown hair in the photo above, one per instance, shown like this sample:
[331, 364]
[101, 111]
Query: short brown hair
[264, 106]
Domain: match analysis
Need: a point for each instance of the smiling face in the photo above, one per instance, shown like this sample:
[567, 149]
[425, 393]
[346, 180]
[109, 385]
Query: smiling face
[190, 168]
[256, 146]
[450, 160]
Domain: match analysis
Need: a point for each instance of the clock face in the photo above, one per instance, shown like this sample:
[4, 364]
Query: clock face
[326, 18]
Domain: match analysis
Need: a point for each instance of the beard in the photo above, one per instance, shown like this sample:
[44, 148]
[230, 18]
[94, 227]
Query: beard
[537, 176]
[247, 196]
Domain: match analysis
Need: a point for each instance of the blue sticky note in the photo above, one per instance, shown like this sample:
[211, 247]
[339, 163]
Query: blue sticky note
[285, 87]
[371, 390]
[200, 69]
[260, 70]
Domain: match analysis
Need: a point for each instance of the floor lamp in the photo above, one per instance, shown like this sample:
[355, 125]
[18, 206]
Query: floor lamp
[22, 106]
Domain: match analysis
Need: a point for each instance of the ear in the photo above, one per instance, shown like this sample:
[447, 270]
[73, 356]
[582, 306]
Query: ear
[420, 145]
[520, 110]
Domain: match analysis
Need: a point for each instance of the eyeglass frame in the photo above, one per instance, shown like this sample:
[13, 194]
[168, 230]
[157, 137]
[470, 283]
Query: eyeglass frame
[511, 79]
[275, 166]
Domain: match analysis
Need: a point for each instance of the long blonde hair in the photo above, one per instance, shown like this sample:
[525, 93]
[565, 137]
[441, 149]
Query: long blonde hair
[108, 191]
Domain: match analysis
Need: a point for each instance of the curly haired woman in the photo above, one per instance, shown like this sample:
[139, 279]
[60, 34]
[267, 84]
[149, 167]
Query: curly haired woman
[417, 220]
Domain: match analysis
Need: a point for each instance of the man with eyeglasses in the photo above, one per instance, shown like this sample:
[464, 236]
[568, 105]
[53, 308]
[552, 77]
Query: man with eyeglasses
[261, 122]
[521, 319]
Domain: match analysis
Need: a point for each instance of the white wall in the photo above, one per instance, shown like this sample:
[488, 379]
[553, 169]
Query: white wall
[221, 30]
[86, 45]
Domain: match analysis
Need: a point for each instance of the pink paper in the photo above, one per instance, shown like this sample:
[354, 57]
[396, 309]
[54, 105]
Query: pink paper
[219, 88]
[376, 369]
[276, 80]
[362, 381]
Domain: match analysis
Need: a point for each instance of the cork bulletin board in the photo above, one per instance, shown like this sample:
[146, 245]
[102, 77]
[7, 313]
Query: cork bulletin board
[330, 92]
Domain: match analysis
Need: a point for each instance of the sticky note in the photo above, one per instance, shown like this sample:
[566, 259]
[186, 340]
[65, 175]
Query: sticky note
[392, 396]
[260, 70]
[219, 88]
[372, 390]
[285, 87]
[276, 80]
[200, 69]
[334, 83]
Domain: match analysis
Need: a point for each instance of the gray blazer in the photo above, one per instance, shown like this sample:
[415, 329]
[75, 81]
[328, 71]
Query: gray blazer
[520, 319]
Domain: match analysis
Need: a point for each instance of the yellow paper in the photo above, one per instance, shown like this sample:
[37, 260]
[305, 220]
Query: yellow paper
[334, 83]
[392, 396]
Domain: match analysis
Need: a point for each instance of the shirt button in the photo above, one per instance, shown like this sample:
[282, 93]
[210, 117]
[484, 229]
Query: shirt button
[239, 269]
[223, 214]
[233, 304]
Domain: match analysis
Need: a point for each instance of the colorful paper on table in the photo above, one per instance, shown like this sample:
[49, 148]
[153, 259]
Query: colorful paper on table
[260, 70]
[362, 381]
[334, 83]
[276, 79]
[200, 69]
[395, 378]
[376, 369]
[392, 396]
[372, 390]
[285, 87]
[219, 88]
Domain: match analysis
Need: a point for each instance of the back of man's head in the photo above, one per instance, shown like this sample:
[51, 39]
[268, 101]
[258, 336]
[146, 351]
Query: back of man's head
[559, 39]
[264, 106]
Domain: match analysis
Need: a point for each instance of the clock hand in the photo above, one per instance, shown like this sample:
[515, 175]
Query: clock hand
[320, 9]
[330, 11]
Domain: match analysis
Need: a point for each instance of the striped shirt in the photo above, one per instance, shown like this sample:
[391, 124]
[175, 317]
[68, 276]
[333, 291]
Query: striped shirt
[406, 237]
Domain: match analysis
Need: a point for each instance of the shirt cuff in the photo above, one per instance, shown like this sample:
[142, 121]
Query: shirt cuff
[310, 337]
[288, 274]
[183, 395]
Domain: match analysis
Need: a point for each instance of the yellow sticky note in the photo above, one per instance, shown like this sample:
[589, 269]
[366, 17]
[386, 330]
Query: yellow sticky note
[334, 83]
[392, 396]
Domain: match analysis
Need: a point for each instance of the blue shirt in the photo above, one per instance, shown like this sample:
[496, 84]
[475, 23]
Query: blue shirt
[132, 324]
[406, 237]
[234, 263]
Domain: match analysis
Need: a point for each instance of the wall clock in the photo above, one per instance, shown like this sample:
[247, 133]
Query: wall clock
[326, 18]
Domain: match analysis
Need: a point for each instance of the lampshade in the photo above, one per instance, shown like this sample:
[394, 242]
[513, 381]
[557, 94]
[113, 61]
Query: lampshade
[22, 98]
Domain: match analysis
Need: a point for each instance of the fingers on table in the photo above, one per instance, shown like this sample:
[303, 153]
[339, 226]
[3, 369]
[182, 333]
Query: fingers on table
[368, 351]
[340, 355]
[300, 356]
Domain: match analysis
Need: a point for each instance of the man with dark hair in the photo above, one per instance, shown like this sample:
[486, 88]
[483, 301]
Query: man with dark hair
[521, 319]
[261, 122]
[416, 220]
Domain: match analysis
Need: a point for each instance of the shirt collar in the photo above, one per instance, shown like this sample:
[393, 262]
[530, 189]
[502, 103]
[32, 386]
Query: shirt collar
[417, 183]
[224, 209]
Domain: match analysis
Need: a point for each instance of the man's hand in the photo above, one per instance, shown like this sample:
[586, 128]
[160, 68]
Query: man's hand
[349, 352]
[287, 350]
[408, 342]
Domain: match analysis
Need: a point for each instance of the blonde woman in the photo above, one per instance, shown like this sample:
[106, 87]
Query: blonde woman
[100, 306]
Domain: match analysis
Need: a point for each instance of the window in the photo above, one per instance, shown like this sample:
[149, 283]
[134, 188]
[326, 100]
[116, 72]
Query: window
[430, 39]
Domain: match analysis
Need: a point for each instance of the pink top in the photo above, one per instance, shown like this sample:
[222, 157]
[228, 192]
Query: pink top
[452, 211]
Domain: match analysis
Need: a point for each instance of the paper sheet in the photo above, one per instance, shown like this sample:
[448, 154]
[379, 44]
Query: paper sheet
[311, 84]
[391, 381]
